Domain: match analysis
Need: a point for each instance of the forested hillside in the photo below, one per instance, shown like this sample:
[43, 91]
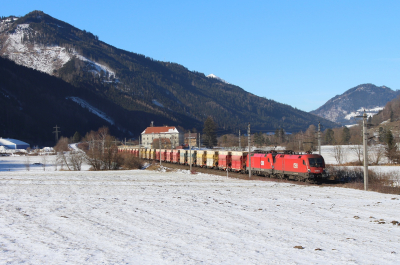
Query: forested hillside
[391, 112]
[138, 83]
[32, 103]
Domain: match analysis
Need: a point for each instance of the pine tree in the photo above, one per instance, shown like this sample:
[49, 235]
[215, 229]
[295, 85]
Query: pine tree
[259, 139]
[391, 148]
[389, 140]
[209, 133]
[77, 137]
[329, 136]
[346, 135]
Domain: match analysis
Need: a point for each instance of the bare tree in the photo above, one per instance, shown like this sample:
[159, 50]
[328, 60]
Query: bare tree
[376, 153]
[339, 154]
[62, 160]
[27, 162]
[44, 161]
[101, 151]
[62, 145]
[102, 135]
[55, 163]
[72, 160]
[358, 150]
[75, 159]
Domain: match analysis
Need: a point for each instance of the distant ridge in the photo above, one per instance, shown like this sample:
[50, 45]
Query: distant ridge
[343, 108]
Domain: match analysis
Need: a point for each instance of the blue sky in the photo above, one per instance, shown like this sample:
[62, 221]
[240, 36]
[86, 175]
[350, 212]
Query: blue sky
[301, 53]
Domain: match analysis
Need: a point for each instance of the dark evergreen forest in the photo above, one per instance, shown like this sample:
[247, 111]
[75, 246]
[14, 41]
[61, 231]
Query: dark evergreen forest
[32, 103]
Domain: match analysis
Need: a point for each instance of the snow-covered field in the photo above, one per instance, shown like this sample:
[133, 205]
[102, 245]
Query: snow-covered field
[36, 163]
[147, 217]
[349, 154]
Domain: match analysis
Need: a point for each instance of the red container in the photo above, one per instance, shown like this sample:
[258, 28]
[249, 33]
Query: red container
[168, 155]
[175, 156]
[163, 155]
[239, 161]
[262, 161]
[224, 160]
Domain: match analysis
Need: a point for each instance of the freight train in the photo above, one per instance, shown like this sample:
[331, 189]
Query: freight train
[284, 165]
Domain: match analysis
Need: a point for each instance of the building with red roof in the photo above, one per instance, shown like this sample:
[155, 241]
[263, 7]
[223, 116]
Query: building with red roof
[167, 134]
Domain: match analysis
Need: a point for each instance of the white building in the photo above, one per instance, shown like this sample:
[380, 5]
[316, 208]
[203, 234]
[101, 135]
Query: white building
[8, 143]
[171, 135]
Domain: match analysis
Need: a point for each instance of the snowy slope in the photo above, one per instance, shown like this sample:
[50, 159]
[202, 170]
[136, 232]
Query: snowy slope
[86, 105]
[145, 217]
[370, 112]
[39, 57]
[45, 58]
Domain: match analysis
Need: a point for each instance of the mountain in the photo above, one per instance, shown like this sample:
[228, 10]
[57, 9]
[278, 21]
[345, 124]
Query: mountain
[389, 115]
[343, 108]
[33, 102]
[134, 82]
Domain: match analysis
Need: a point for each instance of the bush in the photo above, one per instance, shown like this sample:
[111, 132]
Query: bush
[131, 162]
[353, 177]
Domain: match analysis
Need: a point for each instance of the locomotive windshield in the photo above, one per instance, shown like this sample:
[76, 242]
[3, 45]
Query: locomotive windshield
[316, 162]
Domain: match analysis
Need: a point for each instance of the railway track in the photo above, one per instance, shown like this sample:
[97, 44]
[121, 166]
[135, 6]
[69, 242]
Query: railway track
[238, 175]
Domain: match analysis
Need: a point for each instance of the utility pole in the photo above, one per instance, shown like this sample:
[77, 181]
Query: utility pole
[365, 140]
[248, 132]
[190, 154]
[152, 141]
[365, 145]
[240, 145]
[159, 142]
[56, 132]
[199, 141]
[140, 154]
[319, 138]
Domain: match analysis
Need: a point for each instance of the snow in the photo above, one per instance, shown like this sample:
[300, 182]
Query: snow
[37, 56]
[385, 121]
[155, 102]
[349, 153]
[351, 125]
[218, 78]
[19, 163]
[148, 217]
[97, 67]
[85, 104]
[370, 112]
[44, 58]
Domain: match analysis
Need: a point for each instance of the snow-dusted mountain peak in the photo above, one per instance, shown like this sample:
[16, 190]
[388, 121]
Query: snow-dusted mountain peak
[16, 45]
[36, 56]
[216, 77]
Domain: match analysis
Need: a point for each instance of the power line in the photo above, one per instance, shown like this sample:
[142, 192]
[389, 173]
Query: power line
[56, 132]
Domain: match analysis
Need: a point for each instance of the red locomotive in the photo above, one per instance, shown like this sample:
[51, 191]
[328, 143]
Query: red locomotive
[288, 165]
